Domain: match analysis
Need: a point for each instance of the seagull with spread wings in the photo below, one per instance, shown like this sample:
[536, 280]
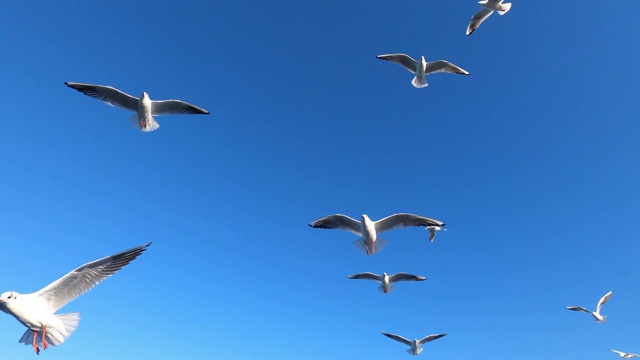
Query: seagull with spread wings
[368, 230]
[488, 7]
[625, 355]
[596, 314]
[422, 67]
[37, 310]
[416, 345]
[386, 280]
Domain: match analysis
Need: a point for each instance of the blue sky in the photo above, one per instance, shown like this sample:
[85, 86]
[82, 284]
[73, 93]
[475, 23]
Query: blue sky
[531, 161]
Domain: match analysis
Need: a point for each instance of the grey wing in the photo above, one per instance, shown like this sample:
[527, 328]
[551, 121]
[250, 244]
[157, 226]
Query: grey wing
[397, 338]
[405, 277]
[107, 94]
[168, 107]
[84, 278]
[603, 300]
[426, 339]
[477, 19]
[444, 66]
[338, 221]
[404, 220]
[403, 60]
[365, 276]
[578, 308]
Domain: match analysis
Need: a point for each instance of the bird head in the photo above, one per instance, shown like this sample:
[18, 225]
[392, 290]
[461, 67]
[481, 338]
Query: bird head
[364, 217]
[8, 297]
[144, 95]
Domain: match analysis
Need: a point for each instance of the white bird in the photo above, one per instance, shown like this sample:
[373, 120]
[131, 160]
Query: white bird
[369, 230]
[386, 280]
[432, 231]
[488, 7]
[145, 108]
[596, 314]
[37, 310]
[416, 347]
[422, 67]
[625, 355]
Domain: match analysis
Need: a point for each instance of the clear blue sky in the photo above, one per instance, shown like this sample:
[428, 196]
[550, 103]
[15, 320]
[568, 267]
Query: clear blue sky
[532, 161]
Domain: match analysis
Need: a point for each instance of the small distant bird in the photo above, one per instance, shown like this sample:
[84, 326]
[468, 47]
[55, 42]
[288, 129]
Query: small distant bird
[596, 314]
[144, 107]
[625, 355]
[369, 230]
[432, 231]
[488, 7]
[386, 280]
[37, 310]
[416, 347]
[422, 67]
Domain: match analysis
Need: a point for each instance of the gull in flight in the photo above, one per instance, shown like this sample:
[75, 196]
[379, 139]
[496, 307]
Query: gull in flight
[422, 67]
[432, 231]
[488, 7]
[386, 280]
[625, 355]
[37, 310]
[596, 314]
[144, 107]
[416, 345]
[368, 230]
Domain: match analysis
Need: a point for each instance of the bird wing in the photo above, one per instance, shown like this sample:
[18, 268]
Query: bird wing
[403, 220]
[397, 338]
[403, 60]
[578, 308]
[477, 19]
[603, 300]
[444, 66]
[107, 94]
[618, 352]
[338, 221]
[365, 276]
[168, 107]
[405, 277]
[82, 279]
[426, 339]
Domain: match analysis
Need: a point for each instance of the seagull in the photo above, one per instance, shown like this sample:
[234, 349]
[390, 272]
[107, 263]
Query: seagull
[625, 355]
[432, 231]
[416, 347]
[144, 107]
[37, 310]
[488, 7]
[596, 314]
[386, 280]
[422, 67]
[369, 230]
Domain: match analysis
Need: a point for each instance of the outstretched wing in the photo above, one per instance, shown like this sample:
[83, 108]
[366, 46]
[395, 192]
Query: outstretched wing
[477, 19]
[397, 338]
[168, 107]
[405, 277]
[365, 276]
[578, 308]
[107, 94]
[82, 279]
[403, 220]
[603, 300]
[338, 221]
[444, 66]
[403, 60]
[426, 339]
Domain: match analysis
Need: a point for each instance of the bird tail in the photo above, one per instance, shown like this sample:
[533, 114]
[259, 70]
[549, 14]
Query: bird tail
[417, 352]
[504, 8]
[419, 82]
[65, 325]
[150, 125]
[381, 289]
[377, 246]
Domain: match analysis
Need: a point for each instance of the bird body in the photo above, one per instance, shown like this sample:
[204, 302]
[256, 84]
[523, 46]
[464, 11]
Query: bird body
[385, 280]
[36, 311]
[422, 68]
[596, 314]
[488, 7]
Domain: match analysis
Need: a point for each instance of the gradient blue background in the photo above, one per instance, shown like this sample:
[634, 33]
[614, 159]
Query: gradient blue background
[532, 161]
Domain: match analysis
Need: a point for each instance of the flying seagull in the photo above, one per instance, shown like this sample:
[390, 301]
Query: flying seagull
[416, 347]
[144, 107]
[37, 310]
[369, 230]
[596, 314]
[432, 231]
[386, 280]
[625, 355]
[488, 7]
[422, 67]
